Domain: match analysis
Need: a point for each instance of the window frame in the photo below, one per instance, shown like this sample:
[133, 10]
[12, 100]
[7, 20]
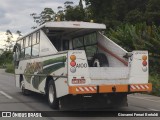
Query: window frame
[29, 38]
[37, 36]
[83, 41]
[37, 43]
[30, 44]
[85, 46]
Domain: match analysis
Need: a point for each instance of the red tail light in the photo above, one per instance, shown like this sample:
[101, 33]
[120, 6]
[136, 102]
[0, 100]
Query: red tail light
[144, 63]
[73, 63]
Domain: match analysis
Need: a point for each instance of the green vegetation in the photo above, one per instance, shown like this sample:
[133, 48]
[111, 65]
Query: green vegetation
[9, 68]
[6, 57]
[139, 37]
[116, 12]
[6, 61]
[155, 80]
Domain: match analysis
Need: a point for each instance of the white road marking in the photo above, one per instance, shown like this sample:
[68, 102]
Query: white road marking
[5, 94]
[152, 109]
[144, 99]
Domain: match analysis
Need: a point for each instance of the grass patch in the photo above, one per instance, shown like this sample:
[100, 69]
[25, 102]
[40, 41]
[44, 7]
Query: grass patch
[9, 68]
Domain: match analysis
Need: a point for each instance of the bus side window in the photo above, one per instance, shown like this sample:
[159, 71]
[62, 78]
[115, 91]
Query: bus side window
[65, 44]
[28, 47]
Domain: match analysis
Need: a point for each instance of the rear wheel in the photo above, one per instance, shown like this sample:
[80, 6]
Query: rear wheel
[100, 60]
[52, 97]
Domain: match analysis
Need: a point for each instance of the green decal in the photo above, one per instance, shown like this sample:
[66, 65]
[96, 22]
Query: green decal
[37, 80]
[49, 66]
[54, 60]
[32, 68]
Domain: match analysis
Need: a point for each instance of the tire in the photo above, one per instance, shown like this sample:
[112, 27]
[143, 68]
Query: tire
[100, 60]
[24, 91]
[52, 97]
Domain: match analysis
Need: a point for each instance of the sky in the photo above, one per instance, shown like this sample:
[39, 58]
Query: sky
[15, 14]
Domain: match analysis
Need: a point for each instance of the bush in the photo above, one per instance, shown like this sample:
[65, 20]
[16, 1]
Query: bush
[139, 37]
[9, 68]
[155, 80]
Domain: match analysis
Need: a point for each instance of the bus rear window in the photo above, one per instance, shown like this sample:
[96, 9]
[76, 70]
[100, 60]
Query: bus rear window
[90, 39]
[87, 42]
[78, 42]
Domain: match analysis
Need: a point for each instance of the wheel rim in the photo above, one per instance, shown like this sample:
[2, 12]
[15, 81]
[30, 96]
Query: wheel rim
[96, 63]
[51, 94]
[60, 106]
[22, 86]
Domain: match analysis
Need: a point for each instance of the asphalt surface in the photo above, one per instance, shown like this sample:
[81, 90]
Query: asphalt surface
[11, 99]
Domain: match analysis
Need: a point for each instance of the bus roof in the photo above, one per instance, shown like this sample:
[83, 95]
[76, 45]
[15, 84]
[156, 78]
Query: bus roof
[75, 24]
[69, 25]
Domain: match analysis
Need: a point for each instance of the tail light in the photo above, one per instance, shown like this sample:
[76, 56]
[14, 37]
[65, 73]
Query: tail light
[73, 57]
[144, 63]
[73, 63]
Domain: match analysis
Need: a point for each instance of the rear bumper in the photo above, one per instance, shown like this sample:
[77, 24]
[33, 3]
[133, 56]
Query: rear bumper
[127, 88]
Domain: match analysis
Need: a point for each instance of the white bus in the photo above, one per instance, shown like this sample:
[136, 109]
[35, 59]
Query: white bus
[73, 62]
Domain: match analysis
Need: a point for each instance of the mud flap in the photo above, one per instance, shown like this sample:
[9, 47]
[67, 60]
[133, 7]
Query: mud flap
[94, 101]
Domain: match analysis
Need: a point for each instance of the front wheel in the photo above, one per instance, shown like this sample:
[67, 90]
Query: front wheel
[52, 97]
[24, 91]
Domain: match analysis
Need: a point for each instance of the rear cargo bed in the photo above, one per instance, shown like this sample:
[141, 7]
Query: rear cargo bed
[109, 75]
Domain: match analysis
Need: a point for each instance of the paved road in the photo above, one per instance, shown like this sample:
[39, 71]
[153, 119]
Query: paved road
[11, 99]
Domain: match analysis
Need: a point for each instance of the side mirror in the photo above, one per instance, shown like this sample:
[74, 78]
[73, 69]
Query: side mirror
[14, 48]
[127, 55]
[16, 53]
[14, 56]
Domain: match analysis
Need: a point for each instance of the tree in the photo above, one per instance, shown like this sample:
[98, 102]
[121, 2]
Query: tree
[134, 16]
[153, 12]
[75, 13]
[45, 16]
[70, 12]
[9, 40]
[68, 4]
[60, 14]
[19, 33]
[115, 12]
